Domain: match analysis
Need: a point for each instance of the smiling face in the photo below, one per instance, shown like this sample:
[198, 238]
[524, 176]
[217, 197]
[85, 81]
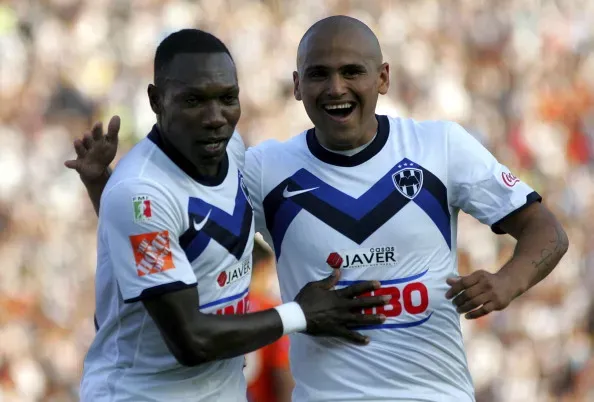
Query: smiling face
[340, 76]
[198, 105]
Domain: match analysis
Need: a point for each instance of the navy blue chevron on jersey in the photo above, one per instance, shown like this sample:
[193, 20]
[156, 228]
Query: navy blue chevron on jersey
[163, 227]
[356, 218]
[387, 213]
[230, 230]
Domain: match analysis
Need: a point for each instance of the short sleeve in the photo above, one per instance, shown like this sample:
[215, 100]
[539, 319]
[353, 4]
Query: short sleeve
[139, 222]
[479, 185]
[253, 179]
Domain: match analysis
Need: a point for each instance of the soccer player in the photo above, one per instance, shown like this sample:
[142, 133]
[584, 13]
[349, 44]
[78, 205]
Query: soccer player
[175, 240]
[378, 197]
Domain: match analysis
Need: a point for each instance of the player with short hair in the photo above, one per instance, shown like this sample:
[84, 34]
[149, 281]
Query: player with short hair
[377, 197]
[176, 234]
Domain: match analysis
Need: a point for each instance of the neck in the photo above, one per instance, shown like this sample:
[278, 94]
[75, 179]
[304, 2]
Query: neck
[210, 174]
[364, 136]
[211, 170]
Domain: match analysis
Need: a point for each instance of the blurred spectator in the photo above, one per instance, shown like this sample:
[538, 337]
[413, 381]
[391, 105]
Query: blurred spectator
[519, 74]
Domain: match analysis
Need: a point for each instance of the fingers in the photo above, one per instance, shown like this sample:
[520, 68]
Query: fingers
[113, 128]
[79, 148]
[351, 336]
[357, 289]
[468, 294]
[361, 320]
[329, 282]
[473, 303]
[368, 301]
[97, 131]
[484, 310]
[87, 141]
[461, 283]
[72, 164]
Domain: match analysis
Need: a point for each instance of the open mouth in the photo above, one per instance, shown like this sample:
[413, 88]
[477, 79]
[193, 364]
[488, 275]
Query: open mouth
[340, 110]
[214, 145]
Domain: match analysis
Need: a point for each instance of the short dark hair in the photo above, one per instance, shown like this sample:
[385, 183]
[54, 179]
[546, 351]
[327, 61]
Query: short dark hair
[185, 41]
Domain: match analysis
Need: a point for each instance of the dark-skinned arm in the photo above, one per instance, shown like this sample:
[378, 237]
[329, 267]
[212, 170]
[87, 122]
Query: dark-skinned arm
[95, 151]
[195, 338]
[95, 188]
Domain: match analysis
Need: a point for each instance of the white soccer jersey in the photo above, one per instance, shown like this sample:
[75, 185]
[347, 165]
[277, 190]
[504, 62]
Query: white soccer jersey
[387, 213]
[162, 228]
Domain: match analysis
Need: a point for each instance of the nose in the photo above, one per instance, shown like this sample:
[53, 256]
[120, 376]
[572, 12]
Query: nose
[213, 116]
[336, 86]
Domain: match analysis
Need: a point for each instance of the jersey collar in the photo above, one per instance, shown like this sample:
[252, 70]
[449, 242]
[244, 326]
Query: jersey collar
[184, 164]
[332, 158]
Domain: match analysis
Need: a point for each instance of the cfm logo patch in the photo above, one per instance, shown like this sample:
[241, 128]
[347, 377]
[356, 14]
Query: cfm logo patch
[408, 180]
[362, 258]
[142, 208]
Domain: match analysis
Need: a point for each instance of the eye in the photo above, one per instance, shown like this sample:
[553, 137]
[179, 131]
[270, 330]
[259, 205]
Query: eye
[316, 74]
[229, 99]
[192, 101]
[352, 73]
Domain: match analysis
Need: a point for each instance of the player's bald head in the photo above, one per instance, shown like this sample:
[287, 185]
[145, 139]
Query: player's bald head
[339, 31]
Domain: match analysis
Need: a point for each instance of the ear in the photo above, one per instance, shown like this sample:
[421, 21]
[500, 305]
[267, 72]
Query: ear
[154, 96]
[384, 79]
[296, 90]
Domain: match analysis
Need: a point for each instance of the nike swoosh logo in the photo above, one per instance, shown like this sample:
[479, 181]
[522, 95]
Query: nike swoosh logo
[198, 226]
[289, 194]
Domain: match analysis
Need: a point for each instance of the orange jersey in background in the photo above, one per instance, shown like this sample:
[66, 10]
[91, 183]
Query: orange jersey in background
[261, 363]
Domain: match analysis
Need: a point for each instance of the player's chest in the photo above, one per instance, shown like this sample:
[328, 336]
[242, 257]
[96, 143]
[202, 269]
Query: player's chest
[380, 204]
[217, 222]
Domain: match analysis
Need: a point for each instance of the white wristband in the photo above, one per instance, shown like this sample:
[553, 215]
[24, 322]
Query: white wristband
[292, 317]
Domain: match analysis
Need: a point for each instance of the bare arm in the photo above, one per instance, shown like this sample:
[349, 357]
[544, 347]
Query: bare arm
[94, 153]
[95, 188]
[541, 244]
[195, 338]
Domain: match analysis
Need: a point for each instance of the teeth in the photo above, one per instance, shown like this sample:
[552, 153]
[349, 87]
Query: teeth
[341, 106]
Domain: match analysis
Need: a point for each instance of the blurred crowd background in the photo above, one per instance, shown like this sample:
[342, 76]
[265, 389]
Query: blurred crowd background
[518, 74]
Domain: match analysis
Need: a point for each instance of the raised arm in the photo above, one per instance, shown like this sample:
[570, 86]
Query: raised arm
[94, 153]
[150, 266]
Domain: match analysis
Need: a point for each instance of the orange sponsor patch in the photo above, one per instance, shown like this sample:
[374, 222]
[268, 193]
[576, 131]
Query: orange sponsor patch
[152, 252]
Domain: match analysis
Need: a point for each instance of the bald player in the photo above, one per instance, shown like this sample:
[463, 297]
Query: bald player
[378, 197]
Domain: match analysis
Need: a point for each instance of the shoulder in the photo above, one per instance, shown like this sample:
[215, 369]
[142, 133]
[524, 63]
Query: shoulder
[271, 150]
[421, 127]
[125, 191]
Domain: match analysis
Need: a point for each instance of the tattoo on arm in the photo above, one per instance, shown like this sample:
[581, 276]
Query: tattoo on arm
[550, 255]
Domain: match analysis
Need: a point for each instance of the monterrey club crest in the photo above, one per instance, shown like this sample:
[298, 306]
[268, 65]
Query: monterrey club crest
[408, 181]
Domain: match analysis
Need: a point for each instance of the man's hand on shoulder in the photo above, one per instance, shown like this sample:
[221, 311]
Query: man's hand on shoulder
[95, 151]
